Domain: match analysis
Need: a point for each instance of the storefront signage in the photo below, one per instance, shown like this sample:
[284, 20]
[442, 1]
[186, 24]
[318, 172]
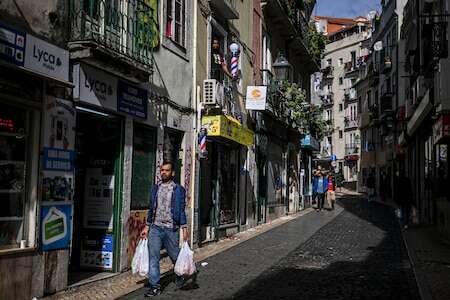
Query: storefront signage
[45, 58]
[56, 222]
[256, 98]
[97, 251]
[441, 129]
[12, 46]
[229, 128]
[95, 87]
[58, 159]
[131, 100]
[25, 50]
[310, 142]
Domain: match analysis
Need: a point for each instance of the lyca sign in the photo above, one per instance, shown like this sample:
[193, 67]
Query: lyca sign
[46, 58]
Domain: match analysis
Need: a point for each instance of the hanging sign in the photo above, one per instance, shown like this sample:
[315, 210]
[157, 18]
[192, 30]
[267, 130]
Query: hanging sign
[256, 98]
[131, 100]
[56, 222]
[12, 46]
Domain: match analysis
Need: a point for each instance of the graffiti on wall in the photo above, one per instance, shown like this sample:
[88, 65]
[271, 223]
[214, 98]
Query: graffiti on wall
[136, 223]
[159, 162]
[187, 175]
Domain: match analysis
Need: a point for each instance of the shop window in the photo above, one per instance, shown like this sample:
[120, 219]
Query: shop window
[13, 165]
[144, 160]
[341, 81]
[340, 134]
[176, 21]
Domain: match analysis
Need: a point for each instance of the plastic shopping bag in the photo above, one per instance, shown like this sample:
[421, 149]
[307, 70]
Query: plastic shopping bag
[140, 261]
[185, 265]
[398, 213]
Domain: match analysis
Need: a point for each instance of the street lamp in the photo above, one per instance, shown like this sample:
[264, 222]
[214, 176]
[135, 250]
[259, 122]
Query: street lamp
[282, 68]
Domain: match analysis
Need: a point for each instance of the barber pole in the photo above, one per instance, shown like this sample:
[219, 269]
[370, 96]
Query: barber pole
[234, 48]
[202, 143]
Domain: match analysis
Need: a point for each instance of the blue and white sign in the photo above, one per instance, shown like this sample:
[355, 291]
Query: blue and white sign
[58, 159]
[97, 251]
[310, 142]
[56, 220]
[12, 46]
[131, 100]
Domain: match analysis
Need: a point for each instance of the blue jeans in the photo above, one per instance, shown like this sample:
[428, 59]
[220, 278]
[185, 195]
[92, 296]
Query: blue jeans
[160, 238]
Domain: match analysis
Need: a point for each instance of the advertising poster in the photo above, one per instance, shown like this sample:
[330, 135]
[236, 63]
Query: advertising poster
[58, 153]
[132, 100]
[99, 200]
[97, 251]
[256, 98]
[56, 220]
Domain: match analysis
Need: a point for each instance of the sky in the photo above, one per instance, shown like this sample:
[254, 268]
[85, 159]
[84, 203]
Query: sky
[345, 8]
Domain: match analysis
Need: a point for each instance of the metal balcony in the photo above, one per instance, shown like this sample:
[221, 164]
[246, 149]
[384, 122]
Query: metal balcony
[226, 8]
[125, 29]
[350, 124]
[351, 149]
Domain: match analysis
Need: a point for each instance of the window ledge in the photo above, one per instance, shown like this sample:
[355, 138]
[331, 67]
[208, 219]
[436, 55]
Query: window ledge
[175, 48]
[14, 251]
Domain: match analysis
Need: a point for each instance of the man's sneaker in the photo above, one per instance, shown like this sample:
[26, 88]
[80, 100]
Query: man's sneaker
[180, 282]
[153, 292]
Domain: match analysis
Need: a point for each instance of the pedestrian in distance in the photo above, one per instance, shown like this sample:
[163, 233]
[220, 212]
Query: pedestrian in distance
[320, 187]
[403, 197]
[370, 187]
[166, 216]
[331, 194]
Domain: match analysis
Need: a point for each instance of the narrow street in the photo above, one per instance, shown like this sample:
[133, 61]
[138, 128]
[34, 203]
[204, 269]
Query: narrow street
[355, 252]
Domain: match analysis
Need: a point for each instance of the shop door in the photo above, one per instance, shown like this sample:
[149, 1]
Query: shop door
[97, 205]
[262, 188]
[208, 195]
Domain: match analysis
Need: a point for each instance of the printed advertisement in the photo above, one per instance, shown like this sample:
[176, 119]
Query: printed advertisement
[56, 220]
[97, 251]
[99, 200]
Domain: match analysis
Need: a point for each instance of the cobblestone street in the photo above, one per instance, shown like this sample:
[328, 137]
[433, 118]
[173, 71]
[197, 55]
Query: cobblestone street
[355, 252]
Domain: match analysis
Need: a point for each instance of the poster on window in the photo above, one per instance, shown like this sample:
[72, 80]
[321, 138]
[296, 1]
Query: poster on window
[58, 153]
[56, 220]
[99, 200]
[97, 251]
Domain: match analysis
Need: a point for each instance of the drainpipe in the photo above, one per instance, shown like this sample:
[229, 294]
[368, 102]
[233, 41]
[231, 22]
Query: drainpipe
[195, 125]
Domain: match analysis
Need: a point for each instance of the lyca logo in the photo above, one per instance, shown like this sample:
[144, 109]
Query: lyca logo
[101, 88]
[48, 59]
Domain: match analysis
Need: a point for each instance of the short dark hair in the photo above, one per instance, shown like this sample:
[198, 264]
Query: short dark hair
[169, 162]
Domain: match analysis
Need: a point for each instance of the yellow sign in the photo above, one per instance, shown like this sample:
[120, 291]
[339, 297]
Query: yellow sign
[229, 128]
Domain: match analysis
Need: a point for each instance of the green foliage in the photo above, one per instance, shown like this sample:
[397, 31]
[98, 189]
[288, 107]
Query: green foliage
[307, 116]
[317, 43]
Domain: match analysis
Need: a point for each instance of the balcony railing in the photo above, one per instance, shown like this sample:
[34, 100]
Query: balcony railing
[352, 148]
[386, 101]
[295, 14]
[128, 28]
[327, 71]
[350, 123]
[350, 94]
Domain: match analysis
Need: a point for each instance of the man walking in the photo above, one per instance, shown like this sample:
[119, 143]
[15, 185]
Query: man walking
[165, 217]
[403, 197]
[320, 186]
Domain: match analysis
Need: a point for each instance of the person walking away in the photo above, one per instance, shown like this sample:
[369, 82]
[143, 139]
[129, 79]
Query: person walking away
[370, 187]
[403, 197]
[166, 216]
[331, 194]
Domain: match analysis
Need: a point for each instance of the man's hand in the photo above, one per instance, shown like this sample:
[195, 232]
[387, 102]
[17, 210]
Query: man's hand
[144, 232]
[185, 234]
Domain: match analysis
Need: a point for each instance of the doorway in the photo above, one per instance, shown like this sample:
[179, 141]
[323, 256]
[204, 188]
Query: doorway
[97, 201]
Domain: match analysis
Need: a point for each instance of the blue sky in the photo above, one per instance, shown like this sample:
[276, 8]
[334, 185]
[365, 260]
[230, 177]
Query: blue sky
[345, 8]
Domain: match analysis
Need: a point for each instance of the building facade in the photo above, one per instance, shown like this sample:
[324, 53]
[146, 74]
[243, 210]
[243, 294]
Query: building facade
[343, 57]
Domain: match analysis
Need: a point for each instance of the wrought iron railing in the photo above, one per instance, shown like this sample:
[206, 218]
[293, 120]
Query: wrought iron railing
[127, 27]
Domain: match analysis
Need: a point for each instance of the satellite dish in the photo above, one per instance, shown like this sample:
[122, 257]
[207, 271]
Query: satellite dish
[378, 46]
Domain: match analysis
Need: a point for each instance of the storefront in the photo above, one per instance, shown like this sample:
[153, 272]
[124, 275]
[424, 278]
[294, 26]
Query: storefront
[309, 146]
[36, 160]
[110, 131]
[221, 204]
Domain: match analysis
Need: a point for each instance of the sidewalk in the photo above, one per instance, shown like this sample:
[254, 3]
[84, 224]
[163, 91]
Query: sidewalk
[125, 283]
[430, 258]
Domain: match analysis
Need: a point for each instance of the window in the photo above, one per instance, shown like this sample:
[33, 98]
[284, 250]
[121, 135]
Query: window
[176, 21]
[341, 81]
[341, 61]
[340, 107]
[353, 55]
[14, 144]
[340, 134]
[329, 62]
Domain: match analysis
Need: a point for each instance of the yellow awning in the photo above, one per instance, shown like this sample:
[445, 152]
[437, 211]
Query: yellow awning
[229, 128]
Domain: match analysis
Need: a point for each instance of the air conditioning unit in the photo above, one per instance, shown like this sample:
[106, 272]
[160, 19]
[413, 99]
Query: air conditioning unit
[213, 93]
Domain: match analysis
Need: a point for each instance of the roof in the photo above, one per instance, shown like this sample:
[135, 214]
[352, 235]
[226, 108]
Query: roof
[338, 24]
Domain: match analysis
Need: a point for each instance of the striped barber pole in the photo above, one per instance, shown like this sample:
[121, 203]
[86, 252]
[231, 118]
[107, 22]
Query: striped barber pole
[202, 143]
[234, 64]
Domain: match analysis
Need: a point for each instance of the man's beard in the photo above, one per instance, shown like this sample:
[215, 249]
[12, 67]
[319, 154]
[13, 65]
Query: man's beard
[166, 179]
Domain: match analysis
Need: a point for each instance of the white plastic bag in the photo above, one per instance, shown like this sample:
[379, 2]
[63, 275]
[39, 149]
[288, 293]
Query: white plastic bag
[185, 264]
[140, 259]
[398, 213]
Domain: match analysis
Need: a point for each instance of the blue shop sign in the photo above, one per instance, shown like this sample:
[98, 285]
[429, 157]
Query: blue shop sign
[58, 159]
[12, 46]
[309, 142]
[56, 220]
[131, 100]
